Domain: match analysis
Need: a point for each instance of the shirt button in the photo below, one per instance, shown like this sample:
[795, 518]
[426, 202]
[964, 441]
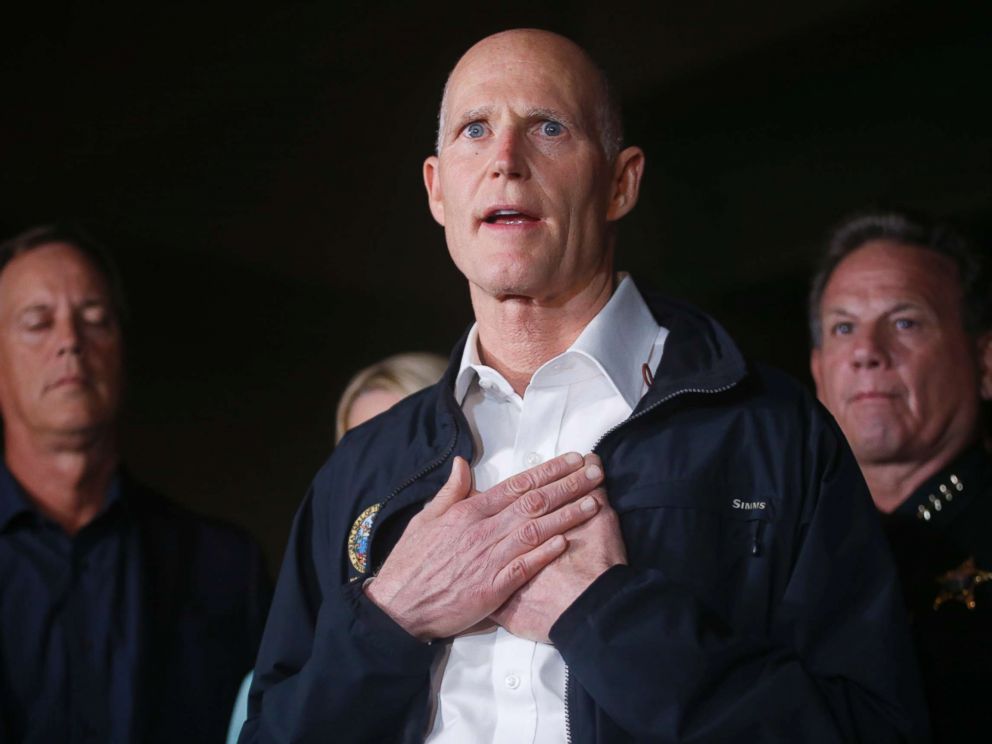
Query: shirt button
[532, 459]
[512, 681]
[486, 384]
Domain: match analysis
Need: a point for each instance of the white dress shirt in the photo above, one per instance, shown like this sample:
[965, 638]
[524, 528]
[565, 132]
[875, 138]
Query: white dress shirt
[492, 686]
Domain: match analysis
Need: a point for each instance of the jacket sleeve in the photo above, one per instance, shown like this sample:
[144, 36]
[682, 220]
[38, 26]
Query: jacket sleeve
[331, 664]
[834, 665]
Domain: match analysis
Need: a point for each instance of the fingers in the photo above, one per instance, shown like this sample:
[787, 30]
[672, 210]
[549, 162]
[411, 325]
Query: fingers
[532, 533]
[456, 488]
[536, 531]
[503, 494]
[547, 499]
[524, 567]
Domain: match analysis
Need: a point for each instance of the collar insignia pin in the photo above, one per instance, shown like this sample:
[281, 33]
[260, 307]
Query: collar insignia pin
[358, 538]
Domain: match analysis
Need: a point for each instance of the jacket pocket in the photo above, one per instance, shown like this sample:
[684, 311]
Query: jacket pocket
[713, 536]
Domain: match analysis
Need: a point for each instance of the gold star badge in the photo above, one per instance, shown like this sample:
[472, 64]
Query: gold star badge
[959, 584]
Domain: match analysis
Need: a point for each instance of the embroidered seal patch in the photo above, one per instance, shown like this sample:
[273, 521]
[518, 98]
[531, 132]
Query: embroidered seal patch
[358, 538]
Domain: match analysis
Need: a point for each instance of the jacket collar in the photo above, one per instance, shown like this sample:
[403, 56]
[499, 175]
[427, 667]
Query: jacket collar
[699, 356]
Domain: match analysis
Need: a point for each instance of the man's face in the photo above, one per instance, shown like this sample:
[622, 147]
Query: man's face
[60, 345]
[522, 184]
[896, 367]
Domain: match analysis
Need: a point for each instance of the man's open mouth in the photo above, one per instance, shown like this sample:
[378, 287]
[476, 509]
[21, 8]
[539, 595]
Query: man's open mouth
[508, 217]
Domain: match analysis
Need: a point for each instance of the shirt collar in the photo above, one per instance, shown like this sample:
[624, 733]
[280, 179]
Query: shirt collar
[14, 501]
[619, 340]
[945, 495]
[468, 368]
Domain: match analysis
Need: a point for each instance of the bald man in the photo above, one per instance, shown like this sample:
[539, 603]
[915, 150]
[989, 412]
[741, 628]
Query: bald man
[602, 525]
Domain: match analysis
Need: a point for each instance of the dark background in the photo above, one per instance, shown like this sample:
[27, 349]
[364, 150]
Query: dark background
[257, 173]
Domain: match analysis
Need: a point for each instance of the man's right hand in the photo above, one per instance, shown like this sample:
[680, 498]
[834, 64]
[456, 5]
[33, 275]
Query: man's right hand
[466, 552]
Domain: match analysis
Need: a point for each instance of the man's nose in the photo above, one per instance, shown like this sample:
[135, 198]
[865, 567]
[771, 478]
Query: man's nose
[68, 337]
[869, 351]
[510, 157]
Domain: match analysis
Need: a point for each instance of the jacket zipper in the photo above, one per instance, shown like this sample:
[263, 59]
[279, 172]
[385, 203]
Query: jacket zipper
[427, 468]
[568, 720]
[433, 465]
[674, 394]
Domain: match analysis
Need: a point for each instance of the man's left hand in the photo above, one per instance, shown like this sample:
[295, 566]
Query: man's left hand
[593, 547]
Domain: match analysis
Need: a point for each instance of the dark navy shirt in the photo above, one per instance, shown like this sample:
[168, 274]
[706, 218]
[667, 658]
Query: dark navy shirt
[69, 613]
[942, 540]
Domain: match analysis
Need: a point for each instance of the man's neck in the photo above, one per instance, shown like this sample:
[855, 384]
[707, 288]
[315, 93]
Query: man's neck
[66, 478]
[519, 334]
[891, 484]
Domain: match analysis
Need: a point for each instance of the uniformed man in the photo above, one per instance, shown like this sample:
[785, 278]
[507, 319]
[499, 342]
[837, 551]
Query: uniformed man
[900, 318]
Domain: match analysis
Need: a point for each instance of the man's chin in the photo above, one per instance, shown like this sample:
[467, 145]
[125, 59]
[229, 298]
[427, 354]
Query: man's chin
[507, 287]
[878, 448]
[83, 423]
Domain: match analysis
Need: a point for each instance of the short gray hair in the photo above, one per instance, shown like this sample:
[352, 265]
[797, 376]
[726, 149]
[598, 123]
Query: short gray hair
[908, 229]
[76, 236]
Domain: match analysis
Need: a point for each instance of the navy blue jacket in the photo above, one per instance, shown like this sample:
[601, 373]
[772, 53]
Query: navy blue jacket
[759, 604]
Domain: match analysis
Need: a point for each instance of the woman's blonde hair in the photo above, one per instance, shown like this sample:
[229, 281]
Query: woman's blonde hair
[403, 374]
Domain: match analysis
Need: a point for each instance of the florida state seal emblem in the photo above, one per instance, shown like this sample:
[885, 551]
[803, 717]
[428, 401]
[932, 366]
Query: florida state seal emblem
[358, 539]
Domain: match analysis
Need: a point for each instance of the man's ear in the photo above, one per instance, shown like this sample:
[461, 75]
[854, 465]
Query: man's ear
[626, 183]
[433, 183]
[815, 369]
[985, 365]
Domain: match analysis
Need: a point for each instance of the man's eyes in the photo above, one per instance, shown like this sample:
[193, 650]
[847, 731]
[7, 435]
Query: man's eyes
[36, 321]
[96, 315]
[475, 129]
[846, 327]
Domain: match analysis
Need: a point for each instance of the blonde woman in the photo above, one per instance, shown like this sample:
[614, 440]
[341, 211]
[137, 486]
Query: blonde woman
[384, 384]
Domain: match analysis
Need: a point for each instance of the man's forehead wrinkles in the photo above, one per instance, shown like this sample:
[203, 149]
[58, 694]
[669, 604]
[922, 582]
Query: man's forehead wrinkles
[855, 307]
[529, 113]
[499, 79]
[838, 310]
